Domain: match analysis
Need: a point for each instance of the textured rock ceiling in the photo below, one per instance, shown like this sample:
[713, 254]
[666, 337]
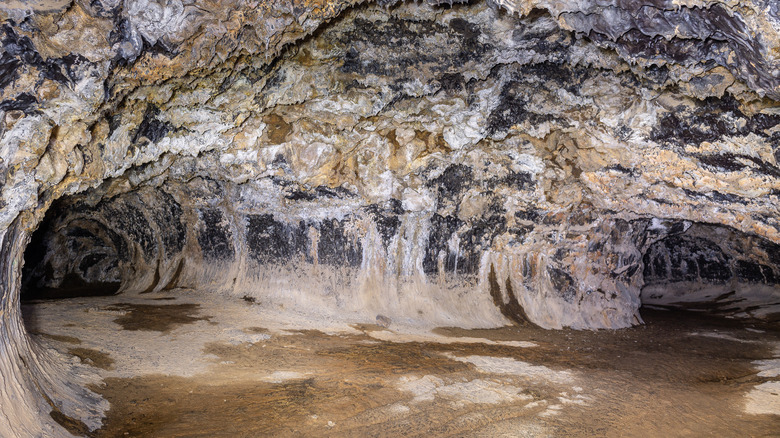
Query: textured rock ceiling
[471, 164]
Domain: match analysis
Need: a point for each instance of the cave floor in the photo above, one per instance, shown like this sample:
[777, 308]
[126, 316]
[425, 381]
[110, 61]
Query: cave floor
[187, 364]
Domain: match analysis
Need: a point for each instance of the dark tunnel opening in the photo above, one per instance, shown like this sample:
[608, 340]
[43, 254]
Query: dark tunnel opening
[713, 269]
[50, 272]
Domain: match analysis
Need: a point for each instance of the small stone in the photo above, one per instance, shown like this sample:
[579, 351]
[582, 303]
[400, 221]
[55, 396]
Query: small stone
[383, 321]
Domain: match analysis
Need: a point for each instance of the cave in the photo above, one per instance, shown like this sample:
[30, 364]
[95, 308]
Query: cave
[386, 218]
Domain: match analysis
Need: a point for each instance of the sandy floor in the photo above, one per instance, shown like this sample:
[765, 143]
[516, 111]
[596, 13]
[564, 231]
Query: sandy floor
[186, 364]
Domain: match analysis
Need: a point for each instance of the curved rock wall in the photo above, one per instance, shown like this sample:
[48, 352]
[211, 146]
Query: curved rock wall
[718, 269]
[328, 253]
[481, 165]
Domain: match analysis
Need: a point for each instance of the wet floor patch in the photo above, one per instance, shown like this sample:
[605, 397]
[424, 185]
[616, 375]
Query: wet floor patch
[160, 318]
[92, 357]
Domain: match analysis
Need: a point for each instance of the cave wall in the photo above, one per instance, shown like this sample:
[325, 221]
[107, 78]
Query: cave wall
[327, 253]
[505, 161]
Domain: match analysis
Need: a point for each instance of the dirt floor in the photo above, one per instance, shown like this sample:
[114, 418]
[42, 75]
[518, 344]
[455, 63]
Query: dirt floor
[190, 366]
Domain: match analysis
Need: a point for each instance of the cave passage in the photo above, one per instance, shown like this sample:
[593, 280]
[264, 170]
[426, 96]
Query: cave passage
[344, 218]
[179, 360]
[713, 269]
[187, 362]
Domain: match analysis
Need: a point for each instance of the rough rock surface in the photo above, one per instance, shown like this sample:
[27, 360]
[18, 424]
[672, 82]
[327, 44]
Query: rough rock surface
[474, 165]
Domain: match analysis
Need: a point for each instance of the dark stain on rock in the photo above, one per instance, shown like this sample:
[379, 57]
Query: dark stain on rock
[528, 215]
[158, 318]
[129, 218]
[406, 44]
[441, 230]
[710, 120]
[563, 283]
[272, 241]
[452, 182]
[512, 108]
[749, 271]
[510, 111]
[386, 219]
[167, 213]
[160, 47]
[722, 162]
[680, 50]
[20, 51]
[9, 66]
[151, 129]
[388, 37]
[333, 192]
[725, 198]
[686, 258]
[516, 180]
[336, 247]
[477, 238]
[215, 236]
[23, 102]
[300, 195]
[511, 309]
[386, 223]
[470, 47]
[130, 45]
[717, 197]
[558, 72]
[620, 169]
[452, 82]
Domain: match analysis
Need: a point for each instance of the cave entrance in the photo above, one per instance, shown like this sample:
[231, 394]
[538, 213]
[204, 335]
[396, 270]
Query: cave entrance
[713, 269]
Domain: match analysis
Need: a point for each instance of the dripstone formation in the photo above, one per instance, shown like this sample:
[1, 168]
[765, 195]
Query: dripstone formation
[472, 164]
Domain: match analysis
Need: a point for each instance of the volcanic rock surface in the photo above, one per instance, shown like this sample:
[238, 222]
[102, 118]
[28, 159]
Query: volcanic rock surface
[473, 164]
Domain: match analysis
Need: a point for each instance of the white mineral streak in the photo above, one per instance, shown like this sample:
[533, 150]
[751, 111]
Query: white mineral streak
[506, 365]
[764, 398]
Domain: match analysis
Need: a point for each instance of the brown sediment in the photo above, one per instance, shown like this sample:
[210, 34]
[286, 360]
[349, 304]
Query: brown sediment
[93, 357]
[656, 380]
[70, 424]
[161, 318]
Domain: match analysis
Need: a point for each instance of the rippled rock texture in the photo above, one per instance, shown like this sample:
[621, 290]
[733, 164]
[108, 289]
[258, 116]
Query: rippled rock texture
[468, 165]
